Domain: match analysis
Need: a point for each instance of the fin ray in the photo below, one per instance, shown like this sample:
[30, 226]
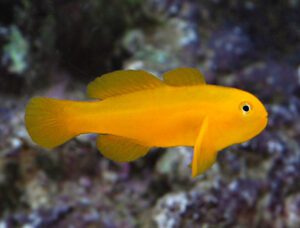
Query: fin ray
[45, 120]
[184, 77]
[204, 155]
[122, 82]
[120, 149]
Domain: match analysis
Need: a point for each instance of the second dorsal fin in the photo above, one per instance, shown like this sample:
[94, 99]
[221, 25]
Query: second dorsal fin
[122, 82]
[184, 77]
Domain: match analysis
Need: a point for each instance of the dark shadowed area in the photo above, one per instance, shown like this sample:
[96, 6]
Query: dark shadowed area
[54, 48]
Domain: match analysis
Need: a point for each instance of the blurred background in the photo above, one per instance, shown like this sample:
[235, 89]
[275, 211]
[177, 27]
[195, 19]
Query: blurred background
[54, 48]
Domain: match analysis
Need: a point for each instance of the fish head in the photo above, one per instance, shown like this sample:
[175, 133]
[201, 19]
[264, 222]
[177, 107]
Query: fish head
[249, 115]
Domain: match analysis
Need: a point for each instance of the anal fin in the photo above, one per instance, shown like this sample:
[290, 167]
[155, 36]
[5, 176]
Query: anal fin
[120, 149]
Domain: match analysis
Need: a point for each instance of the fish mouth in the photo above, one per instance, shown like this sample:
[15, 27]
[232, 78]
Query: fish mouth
[266, 115]
[265, 121]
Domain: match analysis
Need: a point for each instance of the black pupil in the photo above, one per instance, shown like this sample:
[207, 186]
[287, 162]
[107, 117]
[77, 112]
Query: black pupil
[246, 108]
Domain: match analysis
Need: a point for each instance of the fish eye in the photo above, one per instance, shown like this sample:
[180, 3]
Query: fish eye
[245, 107]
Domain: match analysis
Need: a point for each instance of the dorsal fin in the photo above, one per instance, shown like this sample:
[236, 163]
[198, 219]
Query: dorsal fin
[122, 82]
[184, 77]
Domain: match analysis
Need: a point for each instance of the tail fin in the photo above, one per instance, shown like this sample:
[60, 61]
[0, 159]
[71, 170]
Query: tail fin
[46, 120]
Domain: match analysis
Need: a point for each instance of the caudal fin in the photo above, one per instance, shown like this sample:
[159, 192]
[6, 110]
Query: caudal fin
[46, 120]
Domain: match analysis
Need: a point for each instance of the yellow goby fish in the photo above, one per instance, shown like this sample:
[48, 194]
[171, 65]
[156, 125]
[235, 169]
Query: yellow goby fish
[134, 111]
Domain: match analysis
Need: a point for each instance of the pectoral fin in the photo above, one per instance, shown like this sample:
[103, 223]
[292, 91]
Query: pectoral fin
[204, 154]
[120, 149]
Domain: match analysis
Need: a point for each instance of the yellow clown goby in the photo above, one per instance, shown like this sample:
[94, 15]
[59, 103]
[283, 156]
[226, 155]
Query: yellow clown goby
[133, 111]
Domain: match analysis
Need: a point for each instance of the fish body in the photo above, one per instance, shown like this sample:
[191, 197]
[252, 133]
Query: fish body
[146, 112]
